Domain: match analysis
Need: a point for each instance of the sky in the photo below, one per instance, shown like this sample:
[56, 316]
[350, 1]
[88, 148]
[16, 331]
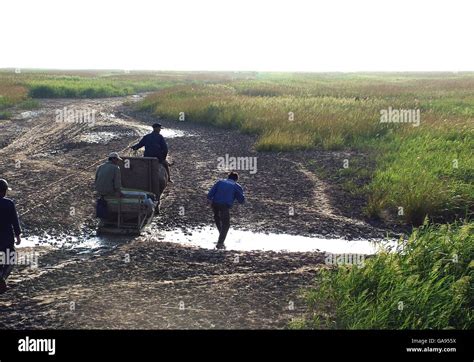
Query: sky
[245, 35]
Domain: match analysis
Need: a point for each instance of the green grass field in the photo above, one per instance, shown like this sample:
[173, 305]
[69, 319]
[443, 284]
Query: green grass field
[76, 85]
[18, 87]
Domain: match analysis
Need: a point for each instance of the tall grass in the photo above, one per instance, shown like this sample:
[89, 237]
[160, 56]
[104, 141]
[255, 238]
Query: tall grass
[11, 94]
[428, 172]
[78, 87]
[285, 122]
[429, 285]
[106, 83]
[18, 89]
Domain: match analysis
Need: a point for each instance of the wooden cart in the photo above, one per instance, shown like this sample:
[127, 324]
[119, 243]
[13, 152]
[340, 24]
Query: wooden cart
[142, 190]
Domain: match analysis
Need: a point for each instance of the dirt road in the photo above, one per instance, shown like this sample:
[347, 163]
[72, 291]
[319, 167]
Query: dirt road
[143, 283]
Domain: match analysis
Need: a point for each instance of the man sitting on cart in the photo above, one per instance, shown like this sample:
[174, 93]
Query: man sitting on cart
[108, 181]
[155, 146]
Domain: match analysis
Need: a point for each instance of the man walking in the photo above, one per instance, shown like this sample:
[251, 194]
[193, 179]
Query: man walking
[155, 146]
[222, 196]
[9, 230]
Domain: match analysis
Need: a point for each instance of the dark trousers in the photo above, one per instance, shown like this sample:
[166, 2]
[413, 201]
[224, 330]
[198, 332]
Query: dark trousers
[222, 219]
[6, 268]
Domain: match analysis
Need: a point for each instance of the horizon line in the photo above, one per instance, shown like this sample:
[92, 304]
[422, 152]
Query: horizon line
[126, 70]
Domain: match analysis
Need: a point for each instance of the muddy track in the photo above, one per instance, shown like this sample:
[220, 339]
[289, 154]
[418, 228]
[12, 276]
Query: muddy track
[142, 283]
[53, 168]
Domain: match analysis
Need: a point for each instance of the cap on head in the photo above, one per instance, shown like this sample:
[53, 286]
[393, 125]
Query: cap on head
[4, 185]
[114, 155]
[233, 176]
[157, 125]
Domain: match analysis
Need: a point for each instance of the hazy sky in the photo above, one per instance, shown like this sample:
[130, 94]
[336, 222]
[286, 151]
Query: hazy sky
[293, 35]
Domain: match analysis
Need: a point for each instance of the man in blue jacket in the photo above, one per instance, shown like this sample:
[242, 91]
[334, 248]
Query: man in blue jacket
[222, 196]
[9, 230]
[155, 146]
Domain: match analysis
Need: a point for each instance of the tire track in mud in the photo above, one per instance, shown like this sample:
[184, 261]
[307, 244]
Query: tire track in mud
[31, 149]
[321, 202]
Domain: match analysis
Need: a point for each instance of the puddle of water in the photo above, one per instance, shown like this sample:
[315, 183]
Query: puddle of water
[173, 133]
[247, 240]
[87, 243]
[98, 137]
[238, 240]
[29, 114]
[165, 132]
[103, 137]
